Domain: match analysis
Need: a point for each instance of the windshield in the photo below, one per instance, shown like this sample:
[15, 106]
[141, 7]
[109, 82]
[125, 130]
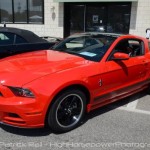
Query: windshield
[90, 47]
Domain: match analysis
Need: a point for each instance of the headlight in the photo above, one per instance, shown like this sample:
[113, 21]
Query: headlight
[22, 92]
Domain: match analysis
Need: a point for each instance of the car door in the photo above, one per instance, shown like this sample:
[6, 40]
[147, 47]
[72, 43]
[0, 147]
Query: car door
[122, 77]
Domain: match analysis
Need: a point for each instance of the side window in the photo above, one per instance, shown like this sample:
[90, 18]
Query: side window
[132, 47]
[122, 46]
[137, 47]
[20, 40]
[6, 38]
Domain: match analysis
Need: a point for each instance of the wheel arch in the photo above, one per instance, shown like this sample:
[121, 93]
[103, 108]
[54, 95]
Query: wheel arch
[84, 89]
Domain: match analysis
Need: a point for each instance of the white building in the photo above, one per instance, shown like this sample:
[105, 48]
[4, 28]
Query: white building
[63, 17]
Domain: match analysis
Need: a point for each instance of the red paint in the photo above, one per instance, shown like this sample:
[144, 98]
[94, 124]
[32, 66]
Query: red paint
[46, 73]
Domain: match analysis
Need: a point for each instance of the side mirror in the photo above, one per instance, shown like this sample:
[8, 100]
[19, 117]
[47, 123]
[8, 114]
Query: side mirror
[120, 56]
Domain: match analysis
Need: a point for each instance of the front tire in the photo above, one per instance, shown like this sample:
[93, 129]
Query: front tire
[67, 111]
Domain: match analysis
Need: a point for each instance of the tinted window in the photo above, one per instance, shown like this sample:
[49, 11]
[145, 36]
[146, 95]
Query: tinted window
[89, 47]
[6, 38]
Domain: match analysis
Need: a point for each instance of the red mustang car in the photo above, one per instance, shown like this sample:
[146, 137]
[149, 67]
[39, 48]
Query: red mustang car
[83, 72]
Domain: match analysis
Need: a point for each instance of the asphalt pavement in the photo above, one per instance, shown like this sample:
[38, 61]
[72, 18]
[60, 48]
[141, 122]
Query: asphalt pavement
[123, 125]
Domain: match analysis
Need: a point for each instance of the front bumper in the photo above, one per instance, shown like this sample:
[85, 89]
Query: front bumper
[21, 112]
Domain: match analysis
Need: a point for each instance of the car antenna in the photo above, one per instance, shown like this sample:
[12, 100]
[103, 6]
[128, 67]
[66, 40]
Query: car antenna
[4, 24]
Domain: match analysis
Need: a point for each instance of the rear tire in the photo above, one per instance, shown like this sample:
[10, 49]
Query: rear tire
[67, 111]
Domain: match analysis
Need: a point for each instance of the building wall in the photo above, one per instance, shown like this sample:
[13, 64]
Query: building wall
[53, 26]
[140, 17]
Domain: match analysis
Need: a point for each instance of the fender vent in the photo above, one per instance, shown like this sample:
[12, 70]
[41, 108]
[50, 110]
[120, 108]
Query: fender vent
[1, 94]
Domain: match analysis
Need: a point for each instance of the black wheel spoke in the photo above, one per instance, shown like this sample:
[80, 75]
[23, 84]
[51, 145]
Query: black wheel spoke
[73, 100]
[76, 111]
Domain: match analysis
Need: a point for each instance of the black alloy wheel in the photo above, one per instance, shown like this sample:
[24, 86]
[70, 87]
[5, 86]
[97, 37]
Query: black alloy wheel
[67, 111]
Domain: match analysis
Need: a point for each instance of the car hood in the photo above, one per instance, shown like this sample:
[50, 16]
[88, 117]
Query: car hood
[24, 68]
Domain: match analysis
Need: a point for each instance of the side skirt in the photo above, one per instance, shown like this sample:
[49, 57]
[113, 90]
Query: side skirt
[108, 98]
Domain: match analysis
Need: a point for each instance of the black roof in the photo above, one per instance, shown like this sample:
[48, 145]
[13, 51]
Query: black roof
[27, 35]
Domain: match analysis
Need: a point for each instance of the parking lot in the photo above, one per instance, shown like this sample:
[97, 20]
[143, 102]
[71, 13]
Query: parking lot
[121, 125]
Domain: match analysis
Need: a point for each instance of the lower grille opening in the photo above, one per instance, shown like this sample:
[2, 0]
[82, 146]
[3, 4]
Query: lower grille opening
[13, 118]
[13, 115]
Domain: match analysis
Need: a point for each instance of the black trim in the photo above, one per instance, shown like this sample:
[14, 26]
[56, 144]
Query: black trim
[0, 15]
[13, 11]
[43, 12]
[123, 90]
[27, 11]
[67, 17]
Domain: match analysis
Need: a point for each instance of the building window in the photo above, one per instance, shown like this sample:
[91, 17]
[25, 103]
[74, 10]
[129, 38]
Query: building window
[6, 14]
[35, 11]
[22, 11]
